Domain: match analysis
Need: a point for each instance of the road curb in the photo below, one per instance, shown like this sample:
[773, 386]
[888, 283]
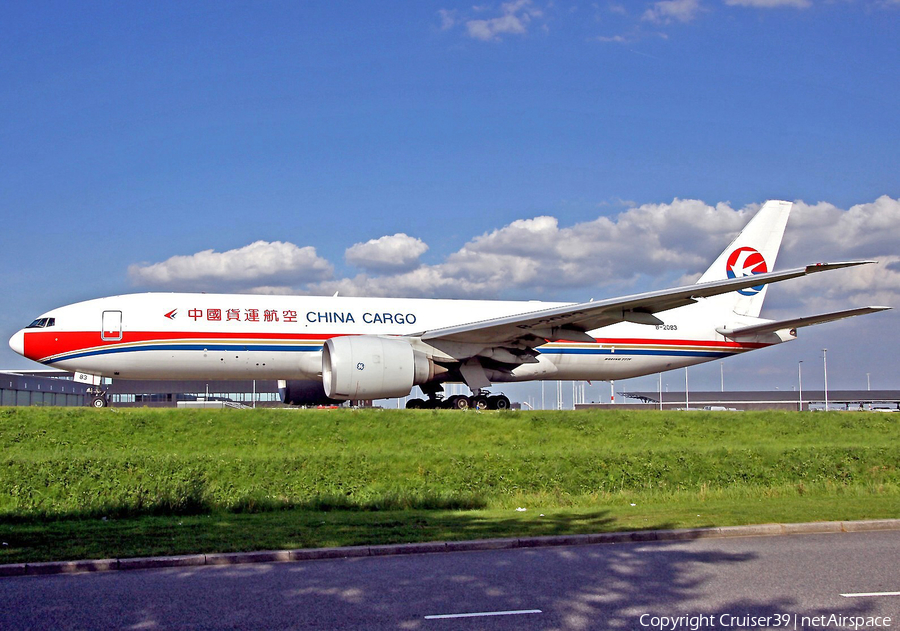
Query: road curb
[311, 554]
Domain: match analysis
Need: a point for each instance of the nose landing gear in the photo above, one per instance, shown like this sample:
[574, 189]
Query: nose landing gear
[99, 398]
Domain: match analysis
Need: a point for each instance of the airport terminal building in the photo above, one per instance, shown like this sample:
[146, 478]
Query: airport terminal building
[760, 400]
[39, 388]
[58, 388]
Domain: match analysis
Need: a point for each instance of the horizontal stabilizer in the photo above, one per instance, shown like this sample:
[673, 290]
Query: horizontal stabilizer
[796, 323]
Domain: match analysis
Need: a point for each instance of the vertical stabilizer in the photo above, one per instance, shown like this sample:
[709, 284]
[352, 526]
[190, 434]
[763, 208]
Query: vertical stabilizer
[752, 252]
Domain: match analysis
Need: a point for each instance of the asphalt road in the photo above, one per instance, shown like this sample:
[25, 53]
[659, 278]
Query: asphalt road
[777, 580]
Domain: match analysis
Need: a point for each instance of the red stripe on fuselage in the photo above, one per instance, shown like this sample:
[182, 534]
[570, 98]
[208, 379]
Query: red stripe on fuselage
[40, 345]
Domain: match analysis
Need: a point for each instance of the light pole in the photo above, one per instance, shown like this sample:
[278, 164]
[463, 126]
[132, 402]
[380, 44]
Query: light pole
[660, 393]
[687, 404]
[868, 382]
[825, 366]
[800, 381]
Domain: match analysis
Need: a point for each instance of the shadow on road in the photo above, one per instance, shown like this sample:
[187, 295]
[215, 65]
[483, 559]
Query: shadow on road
[733, 583]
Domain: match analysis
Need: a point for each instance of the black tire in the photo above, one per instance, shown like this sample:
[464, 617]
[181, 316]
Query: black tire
[99, 402]
[415, 404]
[458, 402]
[481, 402]
[500, 402]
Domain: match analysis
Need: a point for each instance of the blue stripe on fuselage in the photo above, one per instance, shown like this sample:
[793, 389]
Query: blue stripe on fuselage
[244, 348]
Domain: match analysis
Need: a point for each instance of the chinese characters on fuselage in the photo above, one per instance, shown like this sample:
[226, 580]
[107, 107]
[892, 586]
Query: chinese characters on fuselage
[291, 316]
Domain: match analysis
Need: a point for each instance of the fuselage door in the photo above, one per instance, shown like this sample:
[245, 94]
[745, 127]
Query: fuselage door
[112, 326]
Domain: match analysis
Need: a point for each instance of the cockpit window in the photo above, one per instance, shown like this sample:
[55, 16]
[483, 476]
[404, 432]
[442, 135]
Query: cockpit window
[42, 323]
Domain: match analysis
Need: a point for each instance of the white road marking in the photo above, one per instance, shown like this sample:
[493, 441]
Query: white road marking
[865, 594]
[482, 614]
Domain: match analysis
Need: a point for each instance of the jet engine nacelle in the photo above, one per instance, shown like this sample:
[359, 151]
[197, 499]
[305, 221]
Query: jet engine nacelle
[303, 392]
[362, 367]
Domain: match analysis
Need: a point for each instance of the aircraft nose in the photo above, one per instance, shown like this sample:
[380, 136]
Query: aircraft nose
[17, 342]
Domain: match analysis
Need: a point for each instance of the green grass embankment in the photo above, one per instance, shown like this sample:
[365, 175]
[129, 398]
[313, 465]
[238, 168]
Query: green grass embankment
[85, 483]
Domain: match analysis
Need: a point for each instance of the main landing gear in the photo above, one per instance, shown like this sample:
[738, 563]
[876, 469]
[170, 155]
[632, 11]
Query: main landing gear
[480, 400]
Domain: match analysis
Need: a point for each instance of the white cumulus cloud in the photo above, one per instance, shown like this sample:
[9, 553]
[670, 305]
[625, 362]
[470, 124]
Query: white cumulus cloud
[259, 262]
[863, 230]
[515, 18]
[667, 11]
[770, 4]
[539, 258]
[653, 246]
[398, 252]
[822, 232]
[643, 247]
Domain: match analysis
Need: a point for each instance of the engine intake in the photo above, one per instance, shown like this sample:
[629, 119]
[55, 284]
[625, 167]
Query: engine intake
[371, 367]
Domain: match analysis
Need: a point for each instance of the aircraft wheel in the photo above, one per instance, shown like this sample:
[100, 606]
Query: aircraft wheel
[99, 402]
[480, 402]
[458, 402]
[415, 404]
[500, 402]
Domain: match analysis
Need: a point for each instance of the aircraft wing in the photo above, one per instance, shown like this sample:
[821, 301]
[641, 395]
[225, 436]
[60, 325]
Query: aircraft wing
[571, 322]
[796, 323]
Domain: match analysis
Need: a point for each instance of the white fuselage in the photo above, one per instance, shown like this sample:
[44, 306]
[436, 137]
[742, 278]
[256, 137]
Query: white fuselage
[239, 336]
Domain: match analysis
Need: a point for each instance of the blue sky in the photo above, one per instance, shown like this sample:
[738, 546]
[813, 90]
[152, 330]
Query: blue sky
[466, 143]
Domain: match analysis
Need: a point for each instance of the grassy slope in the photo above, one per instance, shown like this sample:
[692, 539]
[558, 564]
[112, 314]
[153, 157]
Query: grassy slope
[85, 483]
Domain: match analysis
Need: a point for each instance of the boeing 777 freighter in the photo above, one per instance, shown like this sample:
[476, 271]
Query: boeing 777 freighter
[344, 348]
